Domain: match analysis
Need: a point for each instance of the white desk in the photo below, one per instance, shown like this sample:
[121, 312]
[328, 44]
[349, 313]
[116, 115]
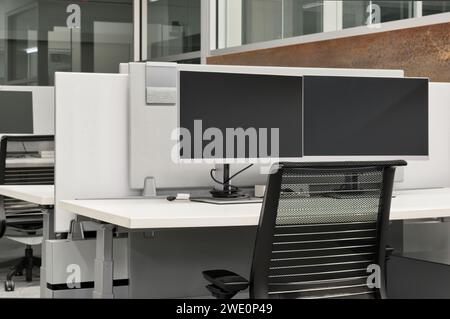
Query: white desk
[160, 213]
[44, 196]
[135, 214]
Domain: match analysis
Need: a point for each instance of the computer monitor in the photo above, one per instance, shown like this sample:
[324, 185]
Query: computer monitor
[16, 112]
[366, 117]
[230, 104]
[239, 118]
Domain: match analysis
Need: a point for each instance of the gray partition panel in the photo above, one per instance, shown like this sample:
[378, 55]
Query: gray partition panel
[169, 264]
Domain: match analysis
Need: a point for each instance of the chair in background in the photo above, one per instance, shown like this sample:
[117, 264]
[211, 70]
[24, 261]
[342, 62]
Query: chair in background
[323, 227]
[24, 160]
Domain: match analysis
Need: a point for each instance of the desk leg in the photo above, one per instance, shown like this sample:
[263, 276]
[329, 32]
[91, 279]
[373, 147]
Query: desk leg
[48, 234]
[104, 265]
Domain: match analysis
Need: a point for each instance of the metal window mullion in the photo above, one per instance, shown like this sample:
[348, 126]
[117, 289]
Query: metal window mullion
[282, 19]
[339, 15]
[418, 9]
[332, 15]
[136, 30]
[221, 24]
[144, 30]
[205, 28]
[213, 25]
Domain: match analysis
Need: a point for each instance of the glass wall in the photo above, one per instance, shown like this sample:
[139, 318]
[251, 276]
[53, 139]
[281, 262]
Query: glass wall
[40, 37]
[241, 22]
[434, 7]
[359, 13]
[264, 20]
[173, 27]
[252, 21]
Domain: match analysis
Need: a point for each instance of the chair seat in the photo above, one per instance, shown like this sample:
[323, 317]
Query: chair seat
[31, 241]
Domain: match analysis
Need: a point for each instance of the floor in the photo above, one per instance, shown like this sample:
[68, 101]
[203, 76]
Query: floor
[11, 250]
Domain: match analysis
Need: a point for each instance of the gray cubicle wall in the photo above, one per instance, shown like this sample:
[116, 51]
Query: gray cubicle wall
[153, 119]
[169, 263]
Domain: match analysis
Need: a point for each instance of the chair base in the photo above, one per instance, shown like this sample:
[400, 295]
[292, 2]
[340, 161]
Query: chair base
[24, 264]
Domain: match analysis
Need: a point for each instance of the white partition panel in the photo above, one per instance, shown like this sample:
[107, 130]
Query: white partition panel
[152, 124]
[91, 139]
[435, 172]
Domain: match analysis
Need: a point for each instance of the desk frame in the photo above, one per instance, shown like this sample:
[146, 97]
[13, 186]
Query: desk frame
[431, 204]
[48, 233]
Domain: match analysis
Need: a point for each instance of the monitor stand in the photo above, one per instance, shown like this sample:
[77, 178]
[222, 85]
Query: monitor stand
[227, 194]
[227, 191]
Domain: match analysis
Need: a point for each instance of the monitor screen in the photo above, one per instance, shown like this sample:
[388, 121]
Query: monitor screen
[16, 112]
[221, 110]
[353, 116]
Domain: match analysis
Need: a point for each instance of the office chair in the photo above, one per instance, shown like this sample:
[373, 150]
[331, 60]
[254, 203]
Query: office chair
[21, 221]
[322, 226]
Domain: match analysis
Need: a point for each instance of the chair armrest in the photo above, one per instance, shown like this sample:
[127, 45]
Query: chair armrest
[225, 284]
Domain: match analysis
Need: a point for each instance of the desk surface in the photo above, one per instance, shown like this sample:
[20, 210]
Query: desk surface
[159, 213]
[43, 195]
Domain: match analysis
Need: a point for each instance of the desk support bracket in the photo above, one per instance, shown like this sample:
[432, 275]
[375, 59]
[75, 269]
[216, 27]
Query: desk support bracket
[104, 265]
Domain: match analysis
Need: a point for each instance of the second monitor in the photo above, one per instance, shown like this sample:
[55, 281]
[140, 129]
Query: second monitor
[16, 112]
[361, 116]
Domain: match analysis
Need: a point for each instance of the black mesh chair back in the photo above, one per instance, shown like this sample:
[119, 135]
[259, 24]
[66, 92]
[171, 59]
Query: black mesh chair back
[322, 225]
[21, 163]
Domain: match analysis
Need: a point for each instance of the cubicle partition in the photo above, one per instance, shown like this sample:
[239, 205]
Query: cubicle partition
[153, 120]
[110, 135]
[91, 162]
[91, 139]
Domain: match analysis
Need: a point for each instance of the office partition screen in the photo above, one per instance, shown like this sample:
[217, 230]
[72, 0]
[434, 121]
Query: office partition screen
[16, 112]
[227, 101]
[351, 116]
